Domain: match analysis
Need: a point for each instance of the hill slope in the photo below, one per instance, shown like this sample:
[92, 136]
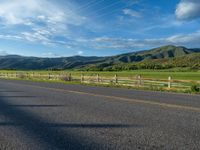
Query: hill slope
[169, 51]
[161, 55]
[34, 63]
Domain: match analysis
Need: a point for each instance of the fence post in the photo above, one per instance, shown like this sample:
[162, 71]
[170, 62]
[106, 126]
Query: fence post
[27, 75]
[169, 82]
[139, 78]
[82, 78]
[98, 78]
[33, 75]
[58, 76]
[70, 77]
[49, 76]
[116, 78]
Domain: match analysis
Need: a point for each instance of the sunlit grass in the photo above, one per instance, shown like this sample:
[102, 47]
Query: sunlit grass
[155, 74]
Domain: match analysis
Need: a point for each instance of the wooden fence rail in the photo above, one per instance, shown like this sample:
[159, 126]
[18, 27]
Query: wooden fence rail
[137, 81]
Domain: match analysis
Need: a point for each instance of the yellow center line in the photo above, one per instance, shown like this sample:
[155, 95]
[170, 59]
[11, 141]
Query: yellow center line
[183, 107]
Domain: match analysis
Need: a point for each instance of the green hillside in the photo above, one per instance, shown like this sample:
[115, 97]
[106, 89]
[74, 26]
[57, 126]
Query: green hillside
[157, 53]
[159, 58]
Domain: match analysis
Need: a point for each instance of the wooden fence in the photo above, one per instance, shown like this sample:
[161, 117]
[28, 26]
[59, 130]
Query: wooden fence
[135, 81]
[139, 81]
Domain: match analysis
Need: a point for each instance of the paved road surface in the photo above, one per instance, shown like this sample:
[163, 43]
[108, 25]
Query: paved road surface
[44, 116]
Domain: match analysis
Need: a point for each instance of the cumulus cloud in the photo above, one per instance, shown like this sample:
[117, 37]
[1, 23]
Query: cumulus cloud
[26, 12]
[37, 20]
[132, 13]
[188, 10]
[21, 12]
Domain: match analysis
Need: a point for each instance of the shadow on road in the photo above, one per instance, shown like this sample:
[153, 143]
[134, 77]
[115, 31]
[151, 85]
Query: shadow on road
[6, 91]
[17, 96]
[76, 125]
[37, 106]
[50, 135]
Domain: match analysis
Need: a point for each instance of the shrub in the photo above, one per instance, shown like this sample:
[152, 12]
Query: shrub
[65, 78]
[195, 88]
[21, 76]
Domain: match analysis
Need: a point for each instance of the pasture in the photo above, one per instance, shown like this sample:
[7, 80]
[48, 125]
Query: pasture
[154, 74]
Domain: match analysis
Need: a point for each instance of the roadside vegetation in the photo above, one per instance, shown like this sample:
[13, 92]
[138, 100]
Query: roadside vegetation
[182, 77]
[175, 73]
[156, 74]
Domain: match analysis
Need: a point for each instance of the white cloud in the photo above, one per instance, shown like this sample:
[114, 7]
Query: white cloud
[80, 52]
[36, 37]
[37, 20]
[21, 12]
[10, 37]
[3, 53]
[50, 54]
[192, 39]
[188, 9]
[132, 13]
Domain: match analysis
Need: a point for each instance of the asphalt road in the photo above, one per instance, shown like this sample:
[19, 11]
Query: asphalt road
[45, 116]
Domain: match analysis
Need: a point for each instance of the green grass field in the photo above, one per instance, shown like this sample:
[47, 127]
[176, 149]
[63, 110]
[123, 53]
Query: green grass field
[157, 74]
[151, 74]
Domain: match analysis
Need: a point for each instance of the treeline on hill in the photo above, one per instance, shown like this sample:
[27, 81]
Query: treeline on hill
[191, 61]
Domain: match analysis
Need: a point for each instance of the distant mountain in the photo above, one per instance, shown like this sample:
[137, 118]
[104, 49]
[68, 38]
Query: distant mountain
[159, 58]
[162, 55]
[35, 63]
[169, 51]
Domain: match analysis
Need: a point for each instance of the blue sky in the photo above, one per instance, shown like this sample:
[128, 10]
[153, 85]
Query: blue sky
[55, 28]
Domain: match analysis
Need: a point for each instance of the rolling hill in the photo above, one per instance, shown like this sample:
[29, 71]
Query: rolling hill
[169, 51]
[171, 56]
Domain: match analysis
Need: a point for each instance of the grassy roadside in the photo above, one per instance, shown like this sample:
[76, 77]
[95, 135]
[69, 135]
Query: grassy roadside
[156, 74]
[186, 75]
[109, 86]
